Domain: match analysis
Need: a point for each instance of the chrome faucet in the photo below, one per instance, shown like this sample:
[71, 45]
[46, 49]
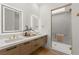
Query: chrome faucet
[26, 28]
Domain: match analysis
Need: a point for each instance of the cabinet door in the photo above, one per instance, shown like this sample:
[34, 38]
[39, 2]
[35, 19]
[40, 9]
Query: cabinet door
[25, 48]
[10, 51]
[36, 44]
[39, 42]
[43, 40]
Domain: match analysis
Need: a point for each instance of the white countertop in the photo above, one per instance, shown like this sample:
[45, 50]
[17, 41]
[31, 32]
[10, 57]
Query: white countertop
[4, 45]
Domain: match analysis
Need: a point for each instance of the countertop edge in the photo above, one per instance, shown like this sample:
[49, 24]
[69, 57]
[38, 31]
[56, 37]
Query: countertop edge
[20, 41]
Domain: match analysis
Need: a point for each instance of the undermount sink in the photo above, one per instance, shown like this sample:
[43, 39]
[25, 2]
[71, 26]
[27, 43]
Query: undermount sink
[10, 40]
[20, 38]
[30, 35]
[16, 39]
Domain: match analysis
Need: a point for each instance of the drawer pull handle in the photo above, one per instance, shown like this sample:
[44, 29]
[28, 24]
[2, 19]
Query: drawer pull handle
[11, 48]
[36, 45]
[26, 43]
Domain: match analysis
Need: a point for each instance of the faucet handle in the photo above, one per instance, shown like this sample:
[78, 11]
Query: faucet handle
[26, 28]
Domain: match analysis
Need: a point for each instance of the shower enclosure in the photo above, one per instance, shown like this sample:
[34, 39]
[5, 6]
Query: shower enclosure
[61, 29]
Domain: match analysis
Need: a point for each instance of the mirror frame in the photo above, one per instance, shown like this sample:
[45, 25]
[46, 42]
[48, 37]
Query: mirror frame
[3, 6]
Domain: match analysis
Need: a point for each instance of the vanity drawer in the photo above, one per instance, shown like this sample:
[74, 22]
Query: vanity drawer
[35, 44]
[14, 50]
[39, 42]
[25, 48]
[43, 40]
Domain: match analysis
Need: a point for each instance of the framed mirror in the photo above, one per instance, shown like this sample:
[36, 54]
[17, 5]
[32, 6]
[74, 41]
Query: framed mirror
[11, 19]
[35, 22]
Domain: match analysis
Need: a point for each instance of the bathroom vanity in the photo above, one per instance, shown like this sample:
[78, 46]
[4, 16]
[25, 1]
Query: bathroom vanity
[11, 21]
[24, 46]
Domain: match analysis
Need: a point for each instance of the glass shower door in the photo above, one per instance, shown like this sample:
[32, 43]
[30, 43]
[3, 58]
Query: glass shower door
[61, 28]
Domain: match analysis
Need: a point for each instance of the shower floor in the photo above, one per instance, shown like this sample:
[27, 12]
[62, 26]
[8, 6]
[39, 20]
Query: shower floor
[65, 48]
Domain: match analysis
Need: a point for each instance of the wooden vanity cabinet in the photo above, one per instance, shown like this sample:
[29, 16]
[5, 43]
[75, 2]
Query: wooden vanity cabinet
[37, 43]
[14, 50]
[43, 40]
[25, 48]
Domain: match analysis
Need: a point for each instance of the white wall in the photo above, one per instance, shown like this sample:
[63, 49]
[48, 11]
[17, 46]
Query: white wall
[45, 17]
[28, 10]
[75, 28]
